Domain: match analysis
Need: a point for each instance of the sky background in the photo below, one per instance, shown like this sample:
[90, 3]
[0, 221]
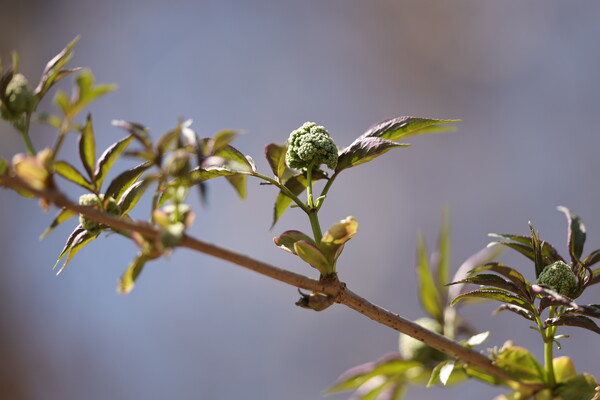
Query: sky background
[522, 76]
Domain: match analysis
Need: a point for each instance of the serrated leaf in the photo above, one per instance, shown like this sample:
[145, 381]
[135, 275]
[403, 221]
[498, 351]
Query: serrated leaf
[127, 281]
[70, 173]
[132, 195]
[121, 183]
[519, 363]
[87, 148]
[576, 236]
[495, 294]
[575, 320]
[591, 310]
[401, 127]
[513, 275]
[275, 155]
[286, 240]
[311, 254]
[108, 158]
[364, 150]
[53, 72]
[428, 290]
[493, 281]
[238, 181]
[62, 216]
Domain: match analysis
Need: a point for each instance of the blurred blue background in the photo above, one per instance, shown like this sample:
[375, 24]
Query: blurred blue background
[523, 77]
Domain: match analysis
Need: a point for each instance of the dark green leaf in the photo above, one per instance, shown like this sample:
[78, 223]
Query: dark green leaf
[428, 290]
[513, 275]
[87, 148]
[139, 132]
[238, 181]
[54, 69]
[131, 274]
[401, 127]
[517, 310]
[574, 320]
[363, 150]
[591, 310]
[275, 154]
[69, 172]
[121, 183]
[62, 216]
[519, 363]
[495, 294]
[549, 252]
[311, 254]
[538, 260]
[578, 388]
[576, 237]
[108, 158]
[132, 195]
[493, 281]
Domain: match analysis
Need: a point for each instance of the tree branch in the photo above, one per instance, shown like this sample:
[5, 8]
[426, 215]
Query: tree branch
[331, 287]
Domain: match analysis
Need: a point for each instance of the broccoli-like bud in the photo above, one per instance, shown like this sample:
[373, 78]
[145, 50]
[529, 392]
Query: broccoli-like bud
[559, 277]
[310, 145]
[92, 200]
[19, 96]
[413, 349]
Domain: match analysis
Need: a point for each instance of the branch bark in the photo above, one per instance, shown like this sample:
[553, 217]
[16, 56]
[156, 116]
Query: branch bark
[334, 288]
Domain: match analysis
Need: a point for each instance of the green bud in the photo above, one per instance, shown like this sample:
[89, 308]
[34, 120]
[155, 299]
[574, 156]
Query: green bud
[311, 145]
[19, 96]
[558, 276]
[94, 201]
[413, 349]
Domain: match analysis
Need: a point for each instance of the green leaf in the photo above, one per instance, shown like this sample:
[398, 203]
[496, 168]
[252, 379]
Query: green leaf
[495, 294]
[311, 254]
[222, 140]
[428, 291]
[513, 275]
[238, 181]
[578, 388]
[401, 127]
[73, 247]
[4, 166]
[519, 363]
[524, 246]
[108, 158]
[286, 240]
[132, 195]
[443, 264]
[87, 148]
[70, 173]
[576, 237]
[121, 183]
[229, 158]
[87, 91]
[62, 216]
[275, 155]
[198, 175]
[54, 70]
[134, 269]
[441, 373]
[564, 369]
[163, 143]
[296, 185]
[575, 320]
[138, 131]
[364, 150]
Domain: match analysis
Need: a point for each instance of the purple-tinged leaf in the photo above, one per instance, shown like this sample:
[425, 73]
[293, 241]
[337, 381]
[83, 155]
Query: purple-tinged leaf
[591, 310]
[517, 310]
[401, 127]
[130, 276]
[132, 195]
[429, 293]
[513, 275]
[70, 173]
[537, 252]
[493, 281]
[108, 158]
[62, 216]
[574, 320]
[341, 232]
[363, 150]
[275, 155]
[138, 131]
[595, 277]
[592, 258]
[76, 232]
[576, 237]
[54, 70]
[524, 246]
[311, 254]
[287, 239]
[77, 243]
[495, 294]
[551, 298]
[121, 183]
[87, 148]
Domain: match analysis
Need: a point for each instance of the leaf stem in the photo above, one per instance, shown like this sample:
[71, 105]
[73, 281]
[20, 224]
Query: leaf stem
[284, 189]
[24, 131]
[325, 190]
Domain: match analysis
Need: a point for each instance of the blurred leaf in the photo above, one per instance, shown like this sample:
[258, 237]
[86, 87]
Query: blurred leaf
[108, 158]
[311, 254]
[138, 131]
[575, 320]
[238, 182]
[578, 388]
[122, 182]
[132, 195]
[517, 310]
[275, 155]
[477, 339]
[54, 70]
[495, 294]
[564, 369]
[519, 363]
[163, 143]
[87, 92]
[592, 258]
[230, 158]
[222, 140]
[134, 269]
[199, 175]
[428, 291]
[4, 166]
[364, 150]
[401, 127]
[286, 240]
[443, 264]
[62, 216]
[576, 236]
[69, 172]
[441, 373]
[87, 148]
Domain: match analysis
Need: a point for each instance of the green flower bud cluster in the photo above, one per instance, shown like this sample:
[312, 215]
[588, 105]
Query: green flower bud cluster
[558, 276]
[310, 145]
[413, 349]
[18, 97]
[95, 201]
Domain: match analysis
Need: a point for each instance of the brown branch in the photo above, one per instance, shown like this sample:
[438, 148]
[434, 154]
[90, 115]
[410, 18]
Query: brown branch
[331, 287]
